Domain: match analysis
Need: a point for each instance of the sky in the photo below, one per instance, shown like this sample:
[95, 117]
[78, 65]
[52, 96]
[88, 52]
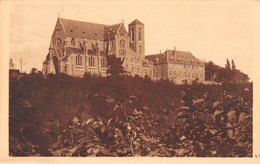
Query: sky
[212, 31]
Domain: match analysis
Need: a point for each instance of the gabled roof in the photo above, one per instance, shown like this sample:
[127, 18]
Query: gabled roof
[157, 58]
[146, 63]
[177, 57]
[91, 52]
[136, 21]
[74, 50]
[81, 29]
[110, 31]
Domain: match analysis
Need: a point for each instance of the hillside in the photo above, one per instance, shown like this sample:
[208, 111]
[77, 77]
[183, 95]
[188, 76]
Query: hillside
[127, 116]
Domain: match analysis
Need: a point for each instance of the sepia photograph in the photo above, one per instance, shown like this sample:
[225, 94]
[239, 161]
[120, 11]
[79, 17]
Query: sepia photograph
[130, 78]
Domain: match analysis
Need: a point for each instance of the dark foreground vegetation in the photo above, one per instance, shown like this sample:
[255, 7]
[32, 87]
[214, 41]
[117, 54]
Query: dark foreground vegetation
[59, 115]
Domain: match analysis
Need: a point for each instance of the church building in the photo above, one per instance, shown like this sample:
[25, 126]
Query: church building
[77, 47]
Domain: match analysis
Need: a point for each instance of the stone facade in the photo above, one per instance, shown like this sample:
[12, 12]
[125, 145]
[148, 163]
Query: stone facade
[177, 66]
[77, 47]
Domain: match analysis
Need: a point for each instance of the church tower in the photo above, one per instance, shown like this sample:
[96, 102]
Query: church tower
[136, 32]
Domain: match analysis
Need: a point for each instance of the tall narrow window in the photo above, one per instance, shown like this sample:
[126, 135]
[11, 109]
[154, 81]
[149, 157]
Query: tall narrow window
[140, 49]
[111, 44]
[133, 34]
[90, 61]
[79, 60]
[73, 42]
[105, 44]
[103, 63]
[140, 34]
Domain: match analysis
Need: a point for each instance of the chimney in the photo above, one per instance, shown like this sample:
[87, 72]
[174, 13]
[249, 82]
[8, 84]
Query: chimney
[174, 49]
[160, 51]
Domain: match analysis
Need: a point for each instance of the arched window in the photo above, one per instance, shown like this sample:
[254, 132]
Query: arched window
[103, 62]
[133, 34]
[140, 34]
[73, 42]
[140, 49]
[79, 60]
[91, 61]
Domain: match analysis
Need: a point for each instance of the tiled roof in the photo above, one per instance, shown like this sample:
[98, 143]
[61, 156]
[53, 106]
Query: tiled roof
[146, 63]
[74, 50]
[110, 31]
[157, 58]
[81, 29]
[102, 53]
[177, 57]
[136, 21]
[91, 52]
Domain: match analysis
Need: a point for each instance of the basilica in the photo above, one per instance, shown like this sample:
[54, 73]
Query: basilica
[77, 47]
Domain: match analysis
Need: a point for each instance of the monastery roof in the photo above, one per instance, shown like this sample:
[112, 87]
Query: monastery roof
[75, 28]
[177, 57]
[136, 21]
[82, 29]
[157, 58]
[110, 31]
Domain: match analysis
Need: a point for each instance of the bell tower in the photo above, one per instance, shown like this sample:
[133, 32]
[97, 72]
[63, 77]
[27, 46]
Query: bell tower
[136, 32]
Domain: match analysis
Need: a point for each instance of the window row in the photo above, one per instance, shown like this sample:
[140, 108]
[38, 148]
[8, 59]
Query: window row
[139, 34]
[122, 52]
[81, 45]
[193, 75]
[121, 32]
[91, 62]
[172, 66]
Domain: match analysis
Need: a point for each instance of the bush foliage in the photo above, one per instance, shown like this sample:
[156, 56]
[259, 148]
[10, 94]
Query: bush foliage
[59, 115]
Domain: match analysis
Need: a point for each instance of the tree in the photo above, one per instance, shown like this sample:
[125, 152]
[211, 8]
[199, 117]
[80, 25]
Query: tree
[211, 71]
[233, 65]
[239, 77]
[228, 65]
[224, 75]
[115, 67]
[34, 70]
